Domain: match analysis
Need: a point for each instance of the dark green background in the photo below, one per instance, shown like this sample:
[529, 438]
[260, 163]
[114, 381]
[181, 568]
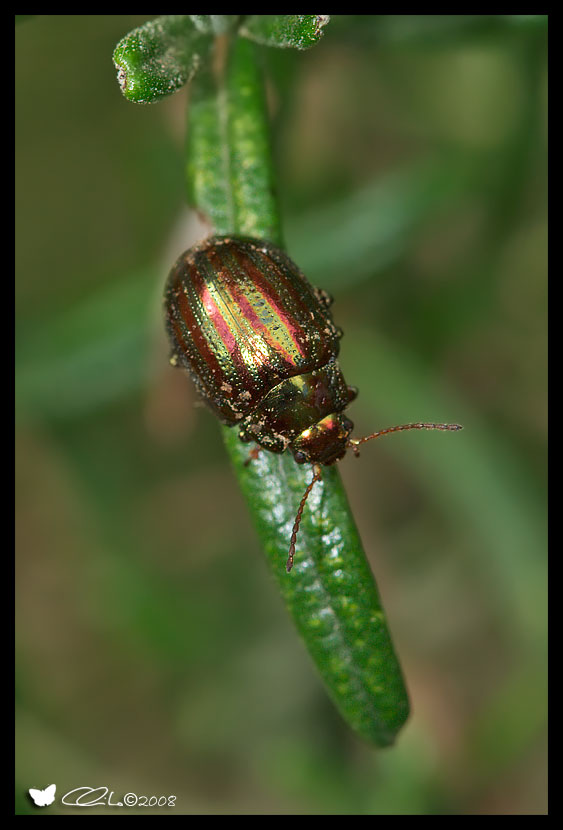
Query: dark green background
[154, 655]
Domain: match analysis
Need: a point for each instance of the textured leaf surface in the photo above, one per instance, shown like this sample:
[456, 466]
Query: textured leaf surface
[286, 31]
[158, 58]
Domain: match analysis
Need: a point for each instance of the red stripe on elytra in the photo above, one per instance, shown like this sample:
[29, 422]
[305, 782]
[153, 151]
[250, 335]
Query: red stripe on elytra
[199, 352]
[273, 299]
[228, 340]
[235, 290]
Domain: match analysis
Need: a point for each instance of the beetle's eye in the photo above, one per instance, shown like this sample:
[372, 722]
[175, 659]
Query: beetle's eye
[300, 457]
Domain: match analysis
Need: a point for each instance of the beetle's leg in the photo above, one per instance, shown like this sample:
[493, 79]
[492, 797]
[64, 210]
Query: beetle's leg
[352, 393]
[323, 296]
[354, 443]
[253, 454]
[316, 477]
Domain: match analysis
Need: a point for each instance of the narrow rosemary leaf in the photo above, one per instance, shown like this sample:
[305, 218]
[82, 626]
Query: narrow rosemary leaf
[251, 173]
[228, 160]
[286, 31]
[207, 159]
[330, 593]
[159, 57]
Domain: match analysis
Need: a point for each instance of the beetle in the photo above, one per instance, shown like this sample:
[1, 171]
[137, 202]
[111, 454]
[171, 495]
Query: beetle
[261, 346]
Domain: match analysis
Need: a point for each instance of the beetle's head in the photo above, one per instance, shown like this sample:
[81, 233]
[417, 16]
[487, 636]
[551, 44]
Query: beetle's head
[324, 442]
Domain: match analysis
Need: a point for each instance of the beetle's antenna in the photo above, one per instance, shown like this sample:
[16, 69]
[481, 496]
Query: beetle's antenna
[316, 477]
[354, 443]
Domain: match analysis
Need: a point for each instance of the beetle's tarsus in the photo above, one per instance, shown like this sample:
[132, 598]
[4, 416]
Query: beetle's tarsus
[252, 455]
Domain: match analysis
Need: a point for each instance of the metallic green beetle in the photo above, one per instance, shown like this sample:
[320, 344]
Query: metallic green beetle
[261, 346]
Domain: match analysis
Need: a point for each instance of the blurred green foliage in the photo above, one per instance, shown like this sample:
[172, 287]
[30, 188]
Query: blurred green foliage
[153, 651]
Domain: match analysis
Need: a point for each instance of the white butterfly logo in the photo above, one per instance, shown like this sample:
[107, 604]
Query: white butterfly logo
[43, 797]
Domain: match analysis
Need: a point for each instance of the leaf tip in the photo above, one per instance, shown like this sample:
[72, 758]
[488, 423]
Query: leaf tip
[122, 78]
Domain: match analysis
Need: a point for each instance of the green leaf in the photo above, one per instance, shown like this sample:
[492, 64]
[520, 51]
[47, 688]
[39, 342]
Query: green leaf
[158, 58]
[228, 159]
[331, 593]
[207, 168]
[286, 31]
